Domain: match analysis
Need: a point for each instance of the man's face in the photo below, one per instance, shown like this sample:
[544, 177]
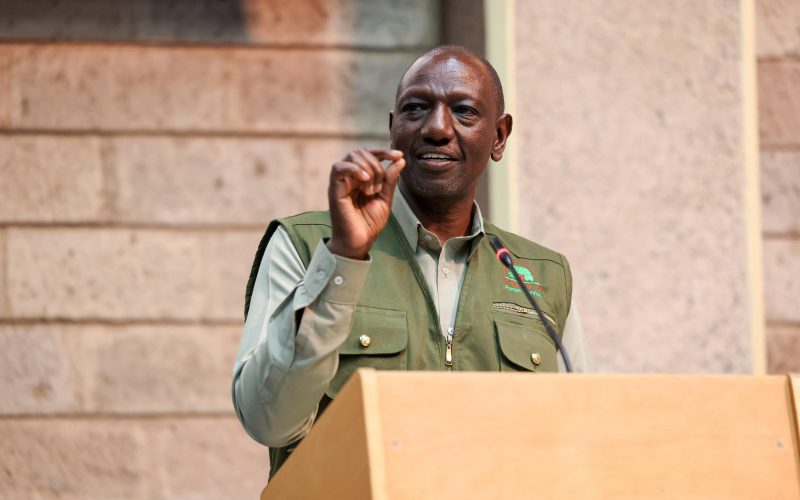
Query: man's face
[444, 123]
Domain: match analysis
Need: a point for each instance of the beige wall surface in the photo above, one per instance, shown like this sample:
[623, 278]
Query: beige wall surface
[629, 133]
[143, 147]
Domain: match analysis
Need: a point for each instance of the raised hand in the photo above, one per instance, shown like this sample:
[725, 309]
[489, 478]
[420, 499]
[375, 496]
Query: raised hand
[360, 197]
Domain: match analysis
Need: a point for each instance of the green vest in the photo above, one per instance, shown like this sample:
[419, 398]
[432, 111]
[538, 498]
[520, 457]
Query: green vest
[495, 328]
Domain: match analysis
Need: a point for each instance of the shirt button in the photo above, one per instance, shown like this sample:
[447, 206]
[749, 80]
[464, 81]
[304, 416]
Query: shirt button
[364, 340]
[428, 237]
[446, 271]
[321, 275]
[338, 280]
[536, 358]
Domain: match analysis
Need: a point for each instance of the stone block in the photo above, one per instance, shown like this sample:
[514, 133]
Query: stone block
[207, 181]
[171, 20]
[114, 87]
[128, 274]
[73, 459]
[359, 23]
[783, 349]
[779, 102]
[132, 370]
[778, 28]
[38, 371]
[333, 92]
[628, 127]
[174, 458]
[50, 179]
[117, 87]
[157, 369]
[229, 257]
[207, 459]
[105, 273]
[780, 191]
[220, 180]
[781, 286]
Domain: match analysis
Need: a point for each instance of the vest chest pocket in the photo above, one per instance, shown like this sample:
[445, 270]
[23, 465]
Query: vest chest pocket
[524, 344]
[378, 339]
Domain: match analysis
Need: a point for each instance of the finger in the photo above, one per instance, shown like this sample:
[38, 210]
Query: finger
[368, 186]
[385, 153]
[391, 176]
[347, 177]
[377, 169]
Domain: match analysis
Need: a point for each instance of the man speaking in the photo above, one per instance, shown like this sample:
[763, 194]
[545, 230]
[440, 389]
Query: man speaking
[399, 273]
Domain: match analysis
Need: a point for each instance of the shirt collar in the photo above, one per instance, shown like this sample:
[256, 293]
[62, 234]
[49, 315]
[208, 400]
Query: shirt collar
[413, 228]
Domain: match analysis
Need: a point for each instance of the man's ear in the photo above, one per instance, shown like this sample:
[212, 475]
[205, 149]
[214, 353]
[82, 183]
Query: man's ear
[503, 129]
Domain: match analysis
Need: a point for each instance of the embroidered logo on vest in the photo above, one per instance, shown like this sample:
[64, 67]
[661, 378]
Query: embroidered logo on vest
[530, 279]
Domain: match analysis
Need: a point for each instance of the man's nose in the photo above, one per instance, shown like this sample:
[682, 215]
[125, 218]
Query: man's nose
[438, 127]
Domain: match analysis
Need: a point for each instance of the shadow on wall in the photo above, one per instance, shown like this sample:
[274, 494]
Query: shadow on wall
[345, 23]
[355, 85]
[177, 20]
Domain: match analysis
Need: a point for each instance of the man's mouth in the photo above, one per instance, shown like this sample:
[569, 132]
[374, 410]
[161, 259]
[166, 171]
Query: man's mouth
[435, 156]
[436, 160]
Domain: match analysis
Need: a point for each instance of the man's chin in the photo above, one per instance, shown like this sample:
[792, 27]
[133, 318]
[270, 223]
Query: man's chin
[439, 189]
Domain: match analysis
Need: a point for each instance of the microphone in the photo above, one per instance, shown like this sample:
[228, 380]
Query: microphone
[504, 256]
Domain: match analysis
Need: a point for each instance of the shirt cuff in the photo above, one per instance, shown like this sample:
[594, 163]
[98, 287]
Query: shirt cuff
[333, 278]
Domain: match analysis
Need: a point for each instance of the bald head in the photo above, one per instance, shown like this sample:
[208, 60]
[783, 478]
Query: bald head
[456, 51]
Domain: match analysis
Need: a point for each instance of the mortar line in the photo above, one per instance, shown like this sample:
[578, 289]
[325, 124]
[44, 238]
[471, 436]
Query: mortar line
[783, 323]
[194, 133]
[121, 322]
[216, 415]
[781, 236]
[779, 147]
[771, 59]
[148, 226]
[200, 45]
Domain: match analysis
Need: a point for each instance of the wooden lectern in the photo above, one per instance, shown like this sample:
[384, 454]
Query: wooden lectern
[421, 435]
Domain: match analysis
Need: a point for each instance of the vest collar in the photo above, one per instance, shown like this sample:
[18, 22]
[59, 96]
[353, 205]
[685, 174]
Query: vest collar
[414, 231]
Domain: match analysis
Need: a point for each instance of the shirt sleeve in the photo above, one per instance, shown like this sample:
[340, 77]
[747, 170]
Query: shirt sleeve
[574, 341]
[287, 356]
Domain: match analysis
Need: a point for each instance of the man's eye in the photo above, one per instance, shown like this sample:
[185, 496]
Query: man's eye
[414, 107]
[465, 111]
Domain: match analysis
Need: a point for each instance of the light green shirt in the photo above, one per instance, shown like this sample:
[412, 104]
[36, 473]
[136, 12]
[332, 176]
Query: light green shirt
[443, 266]
[283, 366]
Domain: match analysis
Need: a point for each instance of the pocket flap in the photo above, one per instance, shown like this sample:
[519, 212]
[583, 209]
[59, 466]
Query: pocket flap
[526, 346]
[385, 331]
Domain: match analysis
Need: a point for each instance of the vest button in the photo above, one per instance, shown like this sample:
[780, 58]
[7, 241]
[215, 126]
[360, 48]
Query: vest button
[536, 358]
[364, 340]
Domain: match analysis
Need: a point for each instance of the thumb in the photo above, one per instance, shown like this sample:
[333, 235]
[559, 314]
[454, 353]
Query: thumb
[392, 174]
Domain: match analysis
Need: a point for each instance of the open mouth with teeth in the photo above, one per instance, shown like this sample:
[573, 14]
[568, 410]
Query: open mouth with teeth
[436, 160]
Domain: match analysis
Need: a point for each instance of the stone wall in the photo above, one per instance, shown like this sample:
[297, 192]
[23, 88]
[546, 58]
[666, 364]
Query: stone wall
[143, 147]
[779, 115]
[144, 144]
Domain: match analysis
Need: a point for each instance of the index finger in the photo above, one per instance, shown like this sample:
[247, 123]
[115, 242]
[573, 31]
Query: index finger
[386, 153]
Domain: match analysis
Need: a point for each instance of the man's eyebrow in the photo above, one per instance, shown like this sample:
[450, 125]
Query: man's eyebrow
[411, 91]
[424, 91]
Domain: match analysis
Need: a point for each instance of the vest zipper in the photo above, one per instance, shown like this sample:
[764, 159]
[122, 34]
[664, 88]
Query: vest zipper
[448, 354]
